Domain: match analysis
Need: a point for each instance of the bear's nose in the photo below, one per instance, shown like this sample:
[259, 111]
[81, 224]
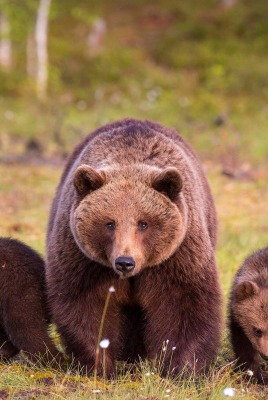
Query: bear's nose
[124, 264]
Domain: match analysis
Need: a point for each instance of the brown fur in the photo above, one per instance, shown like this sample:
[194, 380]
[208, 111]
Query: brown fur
[127, 174]
[23, 313]
[249, 313]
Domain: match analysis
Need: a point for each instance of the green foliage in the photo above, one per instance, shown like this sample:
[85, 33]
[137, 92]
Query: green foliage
[180, 63]
[21, 15]
[218, 46]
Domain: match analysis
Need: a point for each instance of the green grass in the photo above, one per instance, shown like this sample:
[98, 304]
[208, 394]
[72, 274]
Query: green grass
[57, 127]
[144, 383]
[26, 193]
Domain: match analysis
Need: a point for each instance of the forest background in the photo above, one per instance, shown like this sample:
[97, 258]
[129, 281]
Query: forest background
[67, 67]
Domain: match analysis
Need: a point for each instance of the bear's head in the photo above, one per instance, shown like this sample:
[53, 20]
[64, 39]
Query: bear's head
[128, 218]
[251, 311]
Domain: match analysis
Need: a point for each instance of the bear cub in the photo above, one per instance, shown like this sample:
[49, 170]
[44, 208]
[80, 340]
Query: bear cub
[249, 314]
[23, 313]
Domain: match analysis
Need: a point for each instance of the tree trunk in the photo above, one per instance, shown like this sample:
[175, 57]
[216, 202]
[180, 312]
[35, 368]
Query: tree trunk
[41, 48]
[227, 3]
[96, 37]
[31, 56]
[5, 43]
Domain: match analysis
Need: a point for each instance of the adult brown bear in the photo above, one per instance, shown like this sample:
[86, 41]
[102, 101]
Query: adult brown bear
[133, 210]
[24, 316]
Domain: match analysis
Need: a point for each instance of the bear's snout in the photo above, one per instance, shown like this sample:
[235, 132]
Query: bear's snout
[124, 265]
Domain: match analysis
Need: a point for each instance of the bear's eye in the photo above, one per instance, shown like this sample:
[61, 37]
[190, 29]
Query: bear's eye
[257, 332]
[110, 226]
[142, 225]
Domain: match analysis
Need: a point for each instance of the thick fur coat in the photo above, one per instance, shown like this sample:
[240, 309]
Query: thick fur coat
[24, 315]
[135, 191]
[248, 312]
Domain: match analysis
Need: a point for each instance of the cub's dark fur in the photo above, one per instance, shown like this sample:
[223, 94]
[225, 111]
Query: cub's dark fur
[23, 313]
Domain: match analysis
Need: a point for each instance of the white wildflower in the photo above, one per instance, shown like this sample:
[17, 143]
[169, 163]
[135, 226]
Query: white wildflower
[173, 348]
[104, 343]
[250, 373]
[147, 374]
[229, 392]
[168, 390]
[111, 289]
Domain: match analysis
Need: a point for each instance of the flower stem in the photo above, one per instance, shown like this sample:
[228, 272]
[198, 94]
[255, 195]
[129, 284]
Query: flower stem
[99, 336]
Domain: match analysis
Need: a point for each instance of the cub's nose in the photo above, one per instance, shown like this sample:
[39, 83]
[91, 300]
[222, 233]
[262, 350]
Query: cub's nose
[124, 264]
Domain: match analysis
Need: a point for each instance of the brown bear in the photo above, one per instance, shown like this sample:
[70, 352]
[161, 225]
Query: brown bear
[133, 210]
[24, 315]
[249, 314]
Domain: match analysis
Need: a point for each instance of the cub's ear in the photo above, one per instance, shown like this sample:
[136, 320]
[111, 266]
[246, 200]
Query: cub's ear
[168, 182]
[246, 289]
[86, 179]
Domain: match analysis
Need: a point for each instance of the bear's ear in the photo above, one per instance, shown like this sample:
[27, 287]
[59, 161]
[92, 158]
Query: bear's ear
[246, 289]
[168, 182]
[86, 179]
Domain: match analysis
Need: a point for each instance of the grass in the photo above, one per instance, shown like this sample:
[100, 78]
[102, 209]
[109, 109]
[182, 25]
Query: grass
[20, 382]
[26, 193]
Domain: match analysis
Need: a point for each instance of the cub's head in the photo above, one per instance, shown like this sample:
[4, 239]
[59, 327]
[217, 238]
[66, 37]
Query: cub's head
[251, 310]
[128, 218]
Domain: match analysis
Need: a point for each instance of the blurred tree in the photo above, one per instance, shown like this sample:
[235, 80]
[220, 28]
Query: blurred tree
[227, 3]
[5, 42]
[41, 29]
[31, 56]
[96, 37]
[17, 20]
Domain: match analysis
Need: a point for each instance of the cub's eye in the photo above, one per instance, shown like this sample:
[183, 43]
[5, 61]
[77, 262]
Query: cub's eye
[257, 332]
[142, 225]
[110, 226]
